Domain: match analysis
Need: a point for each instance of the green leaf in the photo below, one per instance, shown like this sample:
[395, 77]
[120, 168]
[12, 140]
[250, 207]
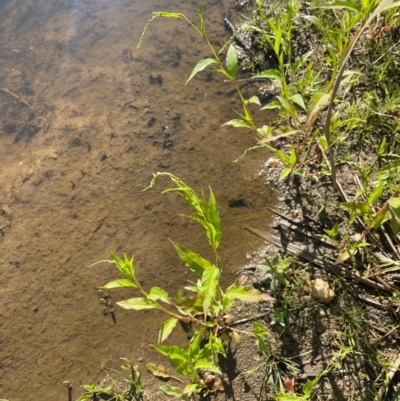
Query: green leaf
[393, 205]
[272, 105]
[270, 74]
[285, 104]
[137, 304]
[120, 283]
[195, 344]
[293, 157]
[201, 20]
[214, 219]
[298, 99]
[238, 124]
[196, 263]
[166, 329]
[232, 65]
[177, 356]
[246, 294]
[255, 100]
[166, 14]
[376, 195]
[200, 66]
[192, 388]
[360, 208]
[392, 167]
[171, 391]
[209, 287]
[157, 294]
[203, 364]
[318, 101]
[285, 172]
[124, 266]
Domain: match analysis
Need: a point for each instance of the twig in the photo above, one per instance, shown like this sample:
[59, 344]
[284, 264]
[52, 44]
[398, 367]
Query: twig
[5, 90]
[392, 371]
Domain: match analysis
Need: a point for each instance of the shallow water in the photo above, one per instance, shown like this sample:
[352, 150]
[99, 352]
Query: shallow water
[85, 119]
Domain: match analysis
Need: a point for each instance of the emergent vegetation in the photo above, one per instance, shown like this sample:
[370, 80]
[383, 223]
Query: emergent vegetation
[336, 98]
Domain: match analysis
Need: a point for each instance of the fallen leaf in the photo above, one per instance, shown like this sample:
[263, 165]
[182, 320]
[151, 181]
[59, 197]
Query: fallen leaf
[218, 386]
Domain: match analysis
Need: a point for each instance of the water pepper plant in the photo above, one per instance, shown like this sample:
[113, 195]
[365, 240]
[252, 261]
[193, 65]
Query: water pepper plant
[202, 305]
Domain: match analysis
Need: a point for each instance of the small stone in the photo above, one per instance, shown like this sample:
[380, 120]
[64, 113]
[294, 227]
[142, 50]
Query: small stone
[320, 291]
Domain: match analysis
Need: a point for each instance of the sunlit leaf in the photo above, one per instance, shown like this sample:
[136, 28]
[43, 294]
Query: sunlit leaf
[177, 356]
[166, 329]
[246, 294]
[158, 371]
[166, 14]
[158, 294]
[119, 283]
[298, 99]
[376, 195]
[270, 74]
[209, 287]
[171, 391]
[255, 100]
[200, 66]
[232, 65]
[203, 364]
[137, 304]
[239, 124]
[192, 260]
[393, 205]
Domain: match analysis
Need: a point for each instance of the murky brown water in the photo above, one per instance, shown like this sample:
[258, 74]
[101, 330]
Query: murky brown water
[82, 129]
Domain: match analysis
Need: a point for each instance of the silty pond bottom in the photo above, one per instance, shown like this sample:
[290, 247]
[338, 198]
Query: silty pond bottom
[85, 121]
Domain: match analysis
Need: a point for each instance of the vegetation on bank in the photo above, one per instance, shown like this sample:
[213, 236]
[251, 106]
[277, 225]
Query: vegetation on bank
[336, 98]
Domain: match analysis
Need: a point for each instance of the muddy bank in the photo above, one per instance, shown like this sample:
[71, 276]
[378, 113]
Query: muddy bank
[85, 121]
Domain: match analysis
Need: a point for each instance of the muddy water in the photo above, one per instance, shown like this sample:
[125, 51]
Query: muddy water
[85, 119]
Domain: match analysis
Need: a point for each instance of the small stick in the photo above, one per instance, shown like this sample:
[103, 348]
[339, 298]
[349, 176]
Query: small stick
[5, 90]
[393, 370]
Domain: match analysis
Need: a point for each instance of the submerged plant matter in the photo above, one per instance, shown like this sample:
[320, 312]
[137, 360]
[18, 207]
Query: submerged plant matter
[205, 312]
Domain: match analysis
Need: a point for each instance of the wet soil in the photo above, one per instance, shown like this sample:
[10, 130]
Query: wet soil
[85, 119]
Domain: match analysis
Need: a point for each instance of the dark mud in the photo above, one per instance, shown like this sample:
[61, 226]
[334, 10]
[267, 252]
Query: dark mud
[85, 119]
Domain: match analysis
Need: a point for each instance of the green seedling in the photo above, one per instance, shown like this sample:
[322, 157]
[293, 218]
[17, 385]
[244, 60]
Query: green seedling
[204, 311]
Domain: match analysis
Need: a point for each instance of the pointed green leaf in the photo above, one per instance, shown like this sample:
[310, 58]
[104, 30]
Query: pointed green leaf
[318, 101]
[137, 304]
[166, 329]
[238, 124]
[158, 294]
[124, 266]
[393, 205]
[376, 195]
[298, 99]
[255, 100]
[203, 364]
[166, 14]
[209, 287]
[171, 391]
[270, 74]
[192, 388]
[214, 219]
[192, 260]
[360, 208]
[120, 283]
[232, 65]
[285, 172]
[177, 356]
[201, 20]
[200, 66]
[293, 157]
[285, 104]
[246, 294]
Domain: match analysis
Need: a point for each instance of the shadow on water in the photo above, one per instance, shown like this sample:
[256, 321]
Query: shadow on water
[85, 119]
